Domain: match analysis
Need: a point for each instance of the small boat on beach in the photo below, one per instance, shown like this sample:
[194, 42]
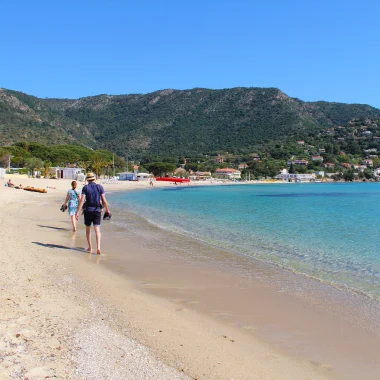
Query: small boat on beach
[35, 189]
[173, 179]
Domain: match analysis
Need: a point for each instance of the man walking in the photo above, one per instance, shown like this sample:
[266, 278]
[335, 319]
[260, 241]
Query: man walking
[92, 201]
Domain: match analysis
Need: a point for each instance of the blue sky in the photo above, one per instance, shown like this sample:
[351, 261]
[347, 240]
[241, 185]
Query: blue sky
[310, 49]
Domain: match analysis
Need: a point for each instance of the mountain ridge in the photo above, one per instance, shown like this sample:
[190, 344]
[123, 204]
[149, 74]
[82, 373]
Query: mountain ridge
[177, 122]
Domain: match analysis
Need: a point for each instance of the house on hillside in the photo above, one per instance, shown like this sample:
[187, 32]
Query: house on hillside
[361, 168]
[228, 173]
[243, 166]
[317, 158]
[219, 159]
[298, 162]
[367, 162]
[256, 157]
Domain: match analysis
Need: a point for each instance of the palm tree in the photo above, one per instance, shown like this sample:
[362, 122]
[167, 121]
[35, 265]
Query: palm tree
[83, 165]
[98, 163]
[46, 168]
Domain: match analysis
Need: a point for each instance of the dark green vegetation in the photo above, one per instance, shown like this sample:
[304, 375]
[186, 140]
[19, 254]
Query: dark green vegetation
[38, 156]
[259, 127]
[177, 123]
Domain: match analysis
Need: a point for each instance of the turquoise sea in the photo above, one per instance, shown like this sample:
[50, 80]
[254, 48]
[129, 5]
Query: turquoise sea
[326, 231]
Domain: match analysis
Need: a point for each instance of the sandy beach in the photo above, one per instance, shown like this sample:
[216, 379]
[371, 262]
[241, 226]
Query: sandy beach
[66, 314]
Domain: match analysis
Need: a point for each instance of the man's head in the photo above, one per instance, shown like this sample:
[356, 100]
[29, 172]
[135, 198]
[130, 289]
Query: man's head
[90, 177]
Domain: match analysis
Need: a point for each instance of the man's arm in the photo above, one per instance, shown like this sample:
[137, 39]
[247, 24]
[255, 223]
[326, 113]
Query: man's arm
[105, 203]
[82, 199]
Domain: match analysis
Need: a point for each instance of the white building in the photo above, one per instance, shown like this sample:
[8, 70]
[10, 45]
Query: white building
[291, 177]
[67, 173]
[144, 176]
[2, 173]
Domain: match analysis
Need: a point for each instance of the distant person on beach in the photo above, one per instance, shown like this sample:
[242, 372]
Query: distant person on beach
[10, 184]
[92, 202]
[151, 182]
[72, 201]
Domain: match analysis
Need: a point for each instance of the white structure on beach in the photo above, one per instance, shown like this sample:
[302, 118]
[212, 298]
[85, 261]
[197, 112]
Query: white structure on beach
[67, 173]
[292, 177]
[143, 176]
[2, 173]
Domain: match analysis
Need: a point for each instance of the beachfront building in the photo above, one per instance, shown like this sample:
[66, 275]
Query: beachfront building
[143, 176]
[200, 176]
[77, 174]
[127, 176]
[292, 177]
[228, 173]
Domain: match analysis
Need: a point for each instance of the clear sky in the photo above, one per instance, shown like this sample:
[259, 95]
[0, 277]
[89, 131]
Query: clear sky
[310, 49]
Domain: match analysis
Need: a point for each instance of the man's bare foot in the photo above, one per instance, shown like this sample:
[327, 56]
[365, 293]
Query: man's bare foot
[98, 252]
[89, 249]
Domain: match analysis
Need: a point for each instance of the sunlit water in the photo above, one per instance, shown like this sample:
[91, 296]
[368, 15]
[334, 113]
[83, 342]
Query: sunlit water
[327, 231]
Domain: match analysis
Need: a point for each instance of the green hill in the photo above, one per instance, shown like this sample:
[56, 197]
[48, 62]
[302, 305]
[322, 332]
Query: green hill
[172, 122]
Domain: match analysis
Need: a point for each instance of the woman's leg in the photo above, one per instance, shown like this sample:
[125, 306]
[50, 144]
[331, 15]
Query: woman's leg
[74, 222]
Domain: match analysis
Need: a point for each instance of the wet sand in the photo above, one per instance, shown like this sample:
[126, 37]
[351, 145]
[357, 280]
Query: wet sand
[203, 316]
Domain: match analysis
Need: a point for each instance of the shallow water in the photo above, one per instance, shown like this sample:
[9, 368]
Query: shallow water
[326, 231]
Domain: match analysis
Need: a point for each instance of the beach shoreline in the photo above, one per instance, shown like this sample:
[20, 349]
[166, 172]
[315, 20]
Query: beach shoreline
[171, 334]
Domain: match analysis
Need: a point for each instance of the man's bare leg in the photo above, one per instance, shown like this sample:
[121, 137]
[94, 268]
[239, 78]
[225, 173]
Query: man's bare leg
[98, 236]
[88, 236]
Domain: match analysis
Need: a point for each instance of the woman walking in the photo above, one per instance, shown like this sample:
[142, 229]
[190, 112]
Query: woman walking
[72, 200]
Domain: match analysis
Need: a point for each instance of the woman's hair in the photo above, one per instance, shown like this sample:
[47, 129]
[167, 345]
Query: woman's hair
[74, 184]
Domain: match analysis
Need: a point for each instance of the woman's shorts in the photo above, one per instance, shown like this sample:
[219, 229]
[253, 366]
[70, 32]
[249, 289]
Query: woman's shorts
[92, 217]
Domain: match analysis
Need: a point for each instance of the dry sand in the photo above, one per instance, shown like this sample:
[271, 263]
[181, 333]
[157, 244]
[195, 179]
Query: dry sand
[64, 316]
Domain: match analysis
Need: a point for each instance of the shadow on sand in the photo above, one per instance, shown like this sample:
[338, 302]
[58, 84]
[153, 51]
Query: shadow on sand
[55, 228]
[59, 246]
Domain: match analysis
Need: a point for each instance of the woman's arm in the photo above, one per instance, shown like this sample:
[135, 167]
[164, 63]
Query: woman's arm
[67, 198]
[80, 206]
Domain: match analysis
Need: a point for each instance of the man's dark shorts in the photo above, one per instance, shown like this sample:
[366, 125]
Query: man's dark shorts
[92, 217]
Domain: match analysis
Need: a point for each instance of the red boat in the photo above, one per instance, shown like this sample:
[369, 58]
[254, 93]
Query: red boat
[172, 179]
